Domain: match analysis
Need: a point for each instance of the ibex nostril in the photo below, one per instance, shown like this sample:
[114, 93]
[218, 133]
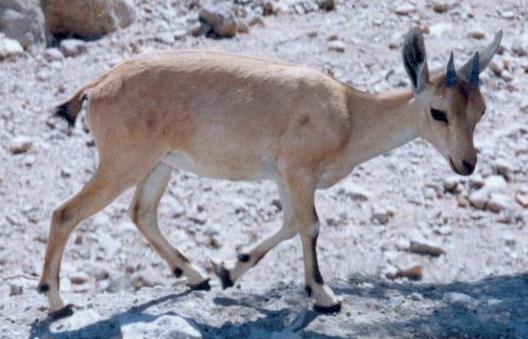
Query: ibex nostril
[468, 166]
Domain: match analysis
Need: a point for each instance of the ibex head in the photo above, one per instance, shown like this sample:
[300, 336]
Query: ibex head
[452, 102]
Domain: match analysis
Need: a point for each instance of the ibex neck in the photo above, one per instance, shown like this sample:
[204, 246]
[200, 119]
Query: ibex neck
[381, 122]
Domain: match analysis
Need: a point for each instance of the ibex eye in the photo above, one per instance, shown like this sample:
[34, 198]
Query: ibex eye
[438, 115]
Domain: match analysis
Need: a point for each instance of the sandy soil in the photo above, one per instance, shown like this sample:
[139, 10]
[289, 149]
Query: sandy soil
[121, 288]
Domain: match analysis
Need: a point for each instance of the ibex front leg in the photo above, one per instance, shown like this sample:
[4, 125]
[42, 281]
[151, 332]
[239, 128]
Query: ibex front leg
[302, 191]
[248, 258]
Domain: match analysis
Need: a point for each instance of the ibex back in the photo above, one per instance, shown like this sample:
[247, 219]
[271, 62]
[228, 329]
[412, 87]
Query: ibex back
[244, 118]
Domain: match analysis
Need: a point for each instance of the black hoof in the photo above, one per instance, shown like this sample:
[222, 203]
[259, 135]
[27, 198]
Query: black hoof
[327, 309]
[203, 286]
[64, 312]
[224, 277]
[42, 288]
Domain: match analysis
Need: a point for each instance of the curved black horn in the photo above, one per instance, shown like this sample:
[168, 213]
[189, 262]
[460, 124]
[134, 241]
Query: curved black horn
[475, 70]
[485, 57]
[451, 77]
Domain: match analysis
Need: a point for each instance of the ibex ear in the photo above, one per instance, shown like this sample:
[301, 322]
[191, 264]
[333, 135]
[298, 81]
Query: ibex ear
[415, 60]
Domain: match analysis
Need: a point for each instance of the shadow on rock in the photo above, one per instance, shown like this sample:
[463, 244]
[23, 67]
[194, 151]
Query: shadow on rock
[489, 308]
[107, 328]
[274, 322]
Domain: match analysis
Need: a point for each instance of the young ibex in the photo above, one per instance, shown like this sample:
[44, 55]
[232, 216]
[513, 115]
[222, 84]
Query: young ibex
[245, 118]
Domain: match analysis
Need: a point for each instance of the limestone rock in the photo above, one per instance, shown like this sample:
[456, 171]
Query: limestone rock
[405, 9]
[23, 21]
[337, 46]
[9, 47]
[460, 299]
[87, 19]
[165, 326]
[72, 47]
[20, 144]
[221, 21]
[493, 195]
[381, 215]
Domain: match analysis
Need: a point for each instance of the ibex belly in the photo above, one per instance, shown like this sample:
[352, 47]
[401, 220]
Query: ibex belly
[218, 168]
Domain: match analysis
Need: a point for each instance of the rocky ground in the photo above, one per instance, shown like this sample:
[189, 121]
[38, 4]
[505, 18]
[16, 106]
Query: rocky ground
[121, 288]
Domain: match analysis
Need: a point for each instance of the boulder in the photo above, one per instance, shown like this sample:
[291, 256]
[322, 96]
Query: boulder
[222, 21]
[87, 19]
[23, 21]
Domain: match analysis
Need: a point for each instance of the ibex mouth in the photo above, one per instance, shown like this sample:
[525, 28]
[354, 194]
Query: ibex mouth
[453, 167]
[466, 172]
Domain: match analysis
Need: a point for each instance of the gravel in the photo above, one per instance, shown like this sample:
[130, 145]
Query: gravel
[120, 285]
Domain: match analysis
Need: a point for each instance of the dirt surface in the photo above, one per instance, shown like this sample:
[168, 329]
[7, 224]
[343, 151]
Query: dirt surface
[121, 288]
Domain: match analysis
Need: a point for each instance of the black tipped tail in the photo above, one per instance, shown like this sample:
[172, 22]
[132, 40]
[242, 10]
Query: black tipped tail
[62, 112]
[71, 108]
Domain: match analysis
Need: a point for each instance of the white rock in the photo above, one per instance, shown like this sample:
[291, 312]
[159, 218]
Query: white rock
[405, 9]
[80, 319]
[165, 37]
[165, 326]
[179, 34]
[22, 20]
[496, 183]
[9, 47]
[72, 47]
[460, 299]
[395, 40]
[356, 192]
[53, 54]
[524, 103]
[451, 184]
[479, 199]
[395, 301]
[522, 199]
[146, 278]
[520, 44]
[508, 14]
[381, 215]
[440, 29]
[499, 202]
[220, 18]
[416, 296]
[337, 46]
[503, 167]
[476, 181]
[20, 144]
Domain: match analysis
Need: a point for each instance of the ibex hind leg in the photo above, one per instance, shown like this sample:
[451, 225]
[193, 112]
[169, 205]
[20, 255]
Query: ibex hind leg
[110, 179]
[143, 212]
